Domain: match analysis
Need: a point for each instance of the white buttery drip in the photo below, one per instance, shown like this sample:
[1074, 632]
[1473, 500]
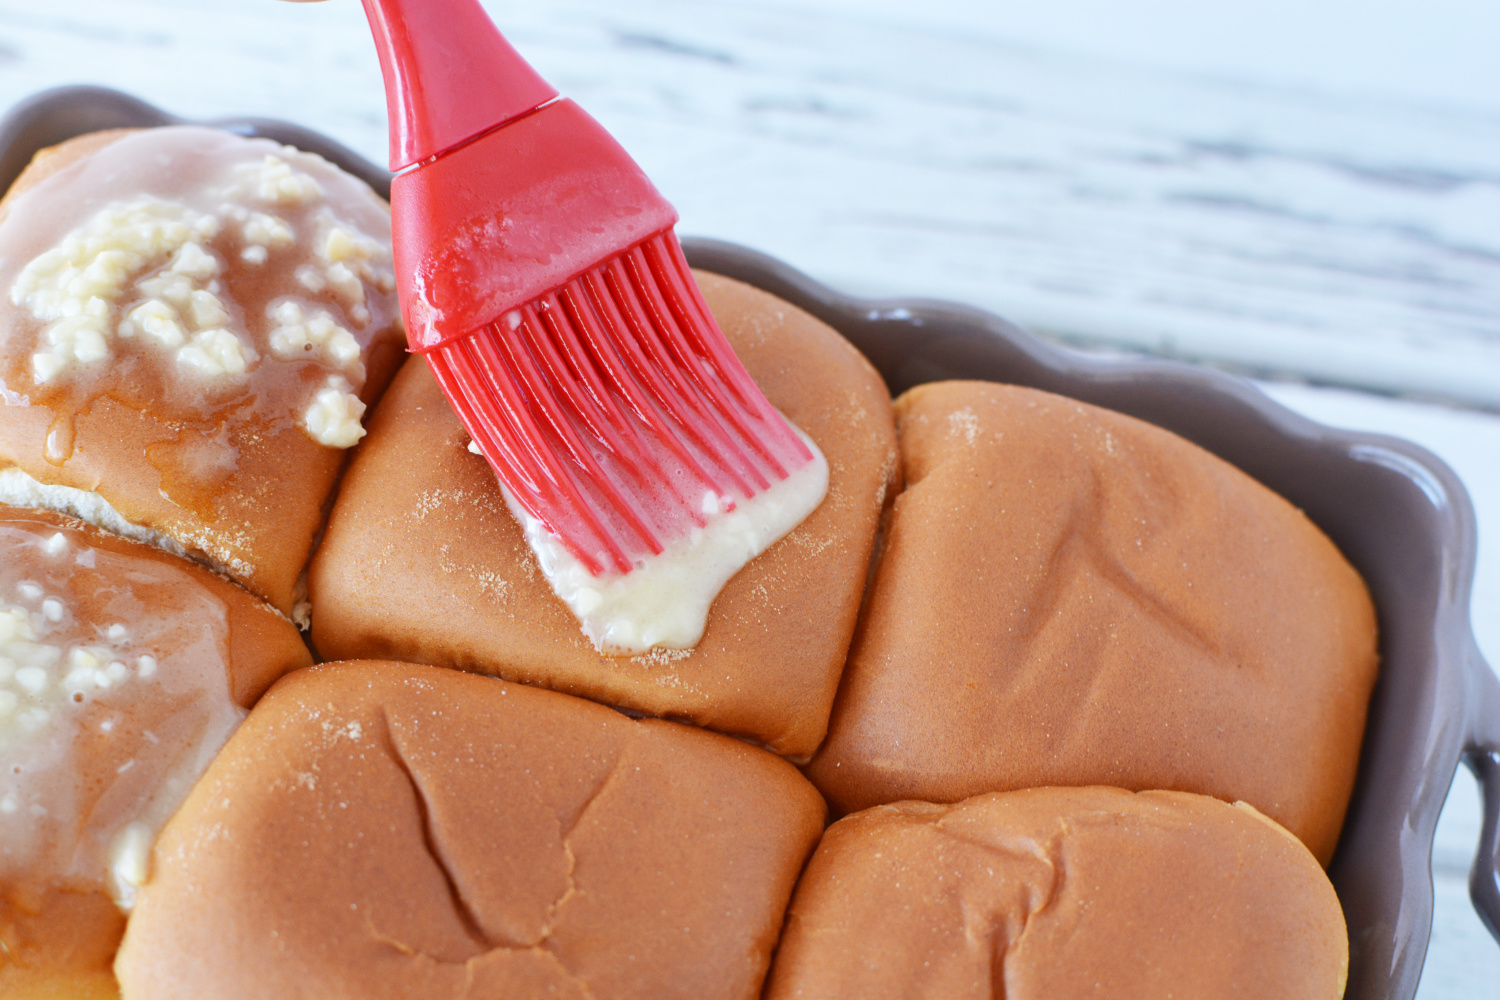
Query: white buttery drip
[664, 601]
[114, 697]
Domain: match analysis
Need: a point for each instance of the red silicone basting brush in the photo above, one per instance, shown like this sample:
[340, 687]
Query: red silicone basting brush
[539, 274]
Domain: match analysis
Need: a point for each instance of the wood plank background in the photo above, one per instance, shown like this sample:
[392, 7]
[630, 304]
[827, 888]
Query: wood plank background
[1346, 237]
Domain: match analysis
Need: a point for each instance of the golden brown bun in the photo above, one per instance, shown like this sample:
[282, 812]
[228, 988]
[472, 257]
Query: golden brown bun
[1069, 596]
[60, 941]
[262, 530]
[422, 561]
[1062, 892]
[67, 941]
[382, 830]
[263, 645]
[50, 160]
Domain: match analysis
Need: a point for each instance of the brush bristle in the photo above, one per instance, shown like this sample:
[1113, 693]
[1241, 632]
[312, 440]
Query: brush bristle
[615, 412]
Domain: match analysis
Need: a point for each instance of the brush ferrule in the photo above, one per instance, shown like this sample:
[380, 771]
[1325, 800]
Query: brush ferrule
[481, 230]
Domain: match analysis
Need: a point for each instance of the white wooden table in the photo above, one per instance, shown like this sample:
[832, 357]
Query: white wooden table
[1293, 190]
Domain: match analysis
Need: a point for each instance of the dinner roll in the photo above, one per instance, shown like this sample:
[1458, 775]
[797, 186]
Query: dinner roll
[384, 830]
[1062, 892]
[191, 326]
[422, 560]
[122, 671]
[1070, 596]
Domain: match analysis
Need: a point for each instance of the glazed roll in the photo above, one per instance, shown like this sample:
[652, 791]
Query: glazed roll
[122, 672]
[1062, 892]
[191, 328]
[1069, 596]
[423, 561]
[384, 830]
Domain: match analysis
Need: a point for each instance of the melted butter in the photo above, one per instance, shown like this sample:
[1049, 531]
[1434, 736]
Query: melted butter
[663, 602]
[252, 281]
[197, 464]
[114, 697]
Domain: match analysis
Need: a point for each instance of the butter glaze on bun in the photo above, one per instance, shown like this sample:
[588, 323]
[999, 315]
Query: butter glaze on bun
[98, 741]
[384, 830]
[1069, 596]
[189, 322]
[1062, 892]
[423, 562]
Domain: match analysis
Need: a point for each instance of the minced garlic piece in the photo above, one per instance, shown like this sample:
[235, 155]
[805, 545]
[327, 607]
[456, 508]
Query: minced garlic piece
[77, 337]
[195, 262]
[297, 334]
[205, 309]
[333, 418]
[216, 354]
[269, 230]
[354, 261]
[273, 180]
[345, 284]
[157, 320]
[169, 286]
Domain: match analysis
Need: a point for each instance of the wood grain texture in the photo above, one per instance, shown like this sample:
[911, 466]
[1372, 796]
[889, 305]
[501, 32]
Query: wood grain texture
[1084, 184]
[1352, 239]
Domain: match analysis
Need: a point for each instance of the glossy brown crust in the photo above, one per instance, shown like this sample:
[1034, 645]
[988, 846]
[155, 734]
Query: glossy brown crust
[1069, 596]
[50, 160]
[67, 942]
[62, 943]
[263, 644]
[283, 482]
[382, 830]
[1062, 892]
[422, 561]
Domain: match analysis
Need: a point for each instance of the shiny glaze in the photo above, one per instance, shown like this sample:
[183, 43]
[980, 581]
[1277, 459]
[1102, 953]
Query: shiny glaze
[211, 173]
[134, 704]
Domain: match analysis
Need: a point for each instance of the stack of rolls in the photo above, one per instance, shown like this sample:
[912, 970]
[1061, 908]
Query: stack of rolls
[1088, 700]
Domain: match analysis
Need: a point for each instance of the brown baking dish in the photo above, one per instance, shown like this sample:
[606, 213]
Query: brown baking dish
[1398, 513]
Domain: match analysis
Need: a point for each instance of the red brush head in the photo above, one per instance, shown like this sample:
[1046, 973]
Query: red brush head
[537, 265]
[614, 410]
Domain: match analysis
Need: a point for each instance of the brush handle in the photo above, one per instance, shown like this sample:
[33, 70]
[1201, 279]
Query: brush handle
[449, 75]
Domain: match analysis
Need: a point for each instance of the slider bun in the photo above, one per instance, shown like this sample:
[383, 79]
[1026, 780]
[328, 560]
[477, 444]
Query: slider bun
[1070, 596]
[50, 160]
[1062, 892]
[384, 830]
[263, 645]
[236, 490]
[422, 560]
[59, 929]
